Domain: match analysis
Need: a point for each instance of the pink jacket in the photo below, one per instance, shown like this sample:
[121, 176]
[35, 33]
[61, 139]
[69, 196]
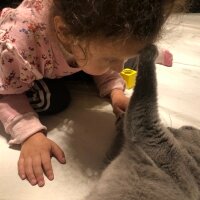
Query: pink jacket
[30, 51]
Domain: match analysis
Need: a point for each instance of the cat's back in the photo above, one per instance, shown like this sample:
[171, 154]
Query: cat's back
[134, 176]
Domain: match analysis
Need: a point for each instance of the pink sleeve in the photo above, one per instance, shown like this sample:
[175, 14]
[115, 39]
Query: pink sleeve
[18, 118]
[109, 81]
[16, 77]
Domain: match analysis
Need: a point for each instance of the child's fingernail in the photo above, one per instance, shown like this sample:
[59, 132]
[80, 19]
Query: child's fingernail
[33, 181]
[41, 183]
[51, 177]
[23, 176]
[63, 160]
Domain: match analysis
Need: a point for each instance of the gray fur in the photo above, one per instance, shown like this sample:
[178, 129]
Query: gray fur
[155, 163]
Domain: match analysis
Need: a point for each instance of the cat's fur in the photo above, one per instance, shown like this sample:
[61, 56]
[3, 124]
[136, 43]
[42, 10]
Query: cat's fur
[155, 163]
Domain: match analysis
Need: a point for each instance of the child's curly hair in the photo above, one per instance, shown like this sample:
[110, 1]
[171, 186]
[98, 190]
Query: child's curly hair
[136, 19]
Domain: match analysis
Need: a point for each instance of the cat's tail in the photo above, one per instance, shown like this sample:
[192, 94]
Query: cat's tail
[142, 109]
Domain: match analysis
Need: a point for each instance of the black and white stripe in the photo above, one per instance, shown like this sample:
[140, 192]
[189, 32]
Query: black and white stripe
[39, 96]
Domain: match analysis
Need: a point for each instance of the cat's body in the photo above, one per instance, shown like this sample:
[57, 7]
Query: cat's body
[156, 163]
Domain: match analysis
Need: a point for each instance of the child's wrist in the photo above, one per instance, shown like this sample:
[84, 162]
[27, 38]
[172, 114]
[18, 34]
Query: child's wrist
[35, 136]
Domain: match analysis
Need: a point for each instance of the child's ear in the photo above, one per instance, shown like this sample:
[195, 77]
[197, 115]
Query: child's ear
[61, 30]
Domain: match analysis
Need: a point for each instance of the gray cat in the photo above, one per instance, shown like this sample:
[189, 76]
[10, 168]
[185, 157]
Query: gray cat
[155, 162]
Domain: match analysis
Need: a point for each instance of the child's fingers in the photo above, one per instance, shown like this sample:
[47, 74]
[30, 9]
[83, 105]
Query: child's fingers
[118, 111]
[21, 170]
[47, 167]
[58, 153]
[29, 171]
[38, 171]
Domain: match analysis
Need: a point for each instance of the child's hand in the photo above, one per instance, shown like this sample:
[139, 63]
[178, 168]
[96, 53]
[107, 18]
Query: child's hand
[35, 159]
[119, 101]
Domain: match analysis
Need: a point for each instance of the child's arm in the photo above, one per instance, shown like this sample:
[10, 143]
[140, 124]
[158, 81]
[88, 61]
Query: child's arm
[22, 123]
[20, 66]
[18, 117]
[112, 84]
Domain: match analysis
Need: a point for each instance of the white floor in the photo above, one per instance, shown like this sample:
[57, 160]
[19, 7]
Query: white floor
[86, 129]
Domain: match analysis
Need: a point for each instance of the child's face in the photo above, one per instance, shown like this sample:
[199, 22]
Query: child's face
[101, 56]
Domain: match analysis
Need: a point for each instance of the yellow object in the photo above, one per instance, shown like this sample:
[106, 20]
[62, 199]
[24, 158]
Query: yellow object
[129, 75]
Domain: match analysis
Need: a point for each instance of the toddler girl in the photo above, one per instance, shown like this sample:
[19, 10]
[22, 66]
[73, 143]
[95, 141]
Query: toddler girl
[44, 40]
